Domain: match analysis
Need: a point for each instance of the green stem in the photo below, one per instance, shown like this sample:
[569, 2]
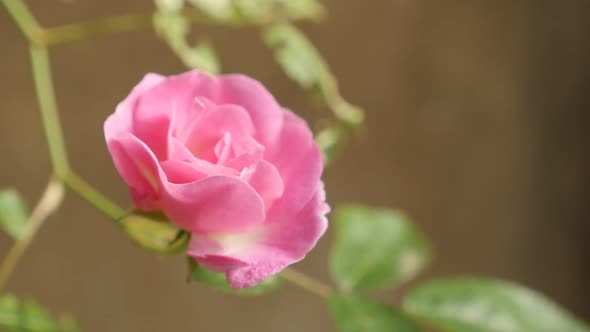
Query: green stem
[80, 31]
[23, 17]
[92, 196]
[49, 202]
[306, 282]
[48, 108]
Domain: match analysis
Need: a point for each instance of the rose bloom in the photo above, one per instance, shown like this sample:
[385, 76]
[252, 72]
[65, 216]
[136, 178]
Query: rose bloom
[225, 162]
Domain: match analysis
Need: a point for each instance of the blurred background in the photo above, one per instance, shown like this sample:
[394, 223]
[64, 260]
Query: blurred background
[477, 125]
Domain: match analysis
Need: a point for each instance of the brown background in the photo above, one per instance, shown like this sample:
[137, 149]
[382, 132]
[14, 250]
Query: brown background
[477, 126]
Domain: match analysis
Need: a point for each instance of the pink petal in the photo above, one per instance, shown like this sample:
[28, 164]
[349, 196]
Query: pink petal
[299, 161]
[248, 93]
[213, 124]
[266, 180]
[139, 169]
[212, 205]
[250, 257]
[155, 110]
[122, 120]
[180, 154]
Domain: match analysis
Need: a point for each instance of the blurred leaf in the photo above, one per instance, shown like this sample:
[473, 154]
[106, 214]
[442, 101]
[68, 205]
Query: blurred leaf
[330, 140]
[375, 248]
[21, 316]
[203, 57]
[298, 57]
[155, 235]
[218, 280]
[219, 9]
[301, 9]
[302, 62]
[487, 305]
[259, 11]
[255, 10]
[360, 315]
[13, 213]
[174, 28]
[170, 6]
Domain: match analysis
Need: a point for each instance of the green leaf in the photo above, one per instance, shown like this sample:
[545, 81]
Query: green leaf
[301, 9]
[13, 213]
[375, 248]
[22, 316]
[218, 280]
[155, 233]
[359, 315]
[203, 57]
[487, 305]
[259, 11]
[174, 27]
[220, 9]
[298, 57]
[302, 62]
[170, 6]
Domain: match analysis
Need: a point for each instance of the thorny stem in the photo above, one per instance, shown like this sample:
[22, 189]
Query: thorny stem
[49, 202]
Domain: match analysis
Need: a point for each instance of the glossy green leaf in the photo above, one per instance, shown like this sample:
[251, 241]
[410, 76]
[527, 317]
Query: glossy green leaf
[375, 248]
[487, 305]
[218, 281]
[155, 233]
[13, 213]
[22, 316]
[360, 315]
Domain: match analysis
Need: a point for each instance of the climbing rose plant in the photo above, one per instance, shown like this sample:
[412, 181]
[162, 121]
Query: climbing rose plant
[219, 171]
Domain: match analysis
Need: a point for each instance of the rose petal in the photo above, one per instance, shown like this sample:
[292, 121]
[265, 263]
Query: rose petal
[212, 124]
[248, 93]
[250, 257]
[266, 180]
[212, 205]
[299, 161]
[139, 169]
[122, 120]
[155, 109]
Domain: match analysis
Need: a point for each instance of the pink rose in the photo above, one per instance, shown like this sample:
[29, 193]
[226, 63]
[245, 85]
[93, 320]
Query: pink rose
[226, 163]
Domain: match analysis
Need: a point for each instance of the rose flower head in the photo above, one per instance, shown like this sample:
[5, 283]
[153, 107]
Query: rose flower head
[226, 163]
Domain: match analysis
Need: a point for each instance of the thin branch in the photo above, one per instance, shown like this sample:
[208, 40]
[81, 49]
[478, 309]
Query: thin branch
[81, 31]
[48, 108]
[23, 17]
[94, 197]
[306, 282]
[49, 202]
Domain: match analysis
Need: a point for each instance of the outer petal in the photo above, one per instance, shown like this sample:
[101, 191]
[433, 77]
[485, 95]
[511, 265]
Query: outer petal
[122, 120]
[212, 205]
[139, 169]
[298, 159]
[154, 111]
[249, 258]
